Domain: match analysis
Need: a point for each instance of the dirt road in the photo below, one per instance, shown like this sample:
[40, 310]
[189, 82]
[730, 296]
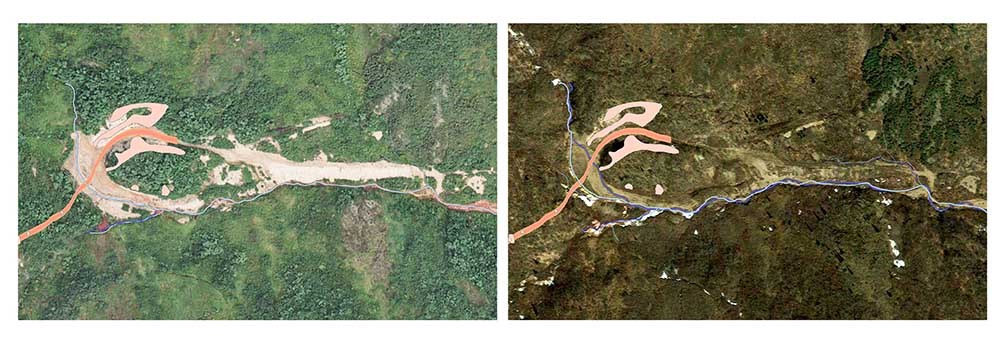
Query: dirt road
[276, 170]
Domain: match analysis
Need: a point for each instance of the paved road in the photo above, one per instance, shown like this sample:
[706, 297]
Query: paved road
[142, 132]
[590, 166]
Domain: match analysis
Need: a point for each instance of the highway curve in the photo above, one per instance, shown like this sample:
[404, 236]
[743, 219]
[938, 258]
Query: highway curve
[590, 166]
[141, 132]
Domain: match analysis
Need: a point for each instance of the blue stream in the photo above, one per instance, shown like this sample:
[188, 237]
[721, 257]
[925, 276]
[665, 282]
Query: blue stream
[653, 211]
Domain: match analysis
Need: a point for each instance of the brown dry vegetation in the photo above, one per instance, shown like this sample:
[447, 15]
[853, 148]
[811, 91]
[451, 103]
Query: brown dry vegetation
[365, 241]
[730, 94]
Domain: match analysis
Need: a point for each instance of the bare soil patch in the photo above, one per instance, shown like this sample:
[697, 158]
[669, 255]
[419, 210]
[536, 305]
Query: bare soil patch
[365, 236]
[472, 293]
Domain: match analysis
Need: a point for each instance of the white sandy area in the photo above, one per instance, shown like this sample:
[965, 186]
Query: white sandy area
[317, 122]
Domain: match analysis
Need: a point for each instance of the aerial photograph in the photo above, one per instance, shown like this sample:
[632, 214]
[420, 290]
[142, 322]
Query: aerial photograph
[721, 171]
[264, 172]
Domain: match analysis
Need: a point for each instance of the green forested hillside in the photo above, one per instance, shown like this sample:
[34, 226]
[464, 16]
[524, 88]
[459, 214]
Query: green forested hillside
[299, 253]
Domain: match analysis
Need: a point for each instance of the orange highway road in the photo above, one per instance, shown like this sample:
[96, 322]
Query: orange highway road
[143, 132]
[590, 165]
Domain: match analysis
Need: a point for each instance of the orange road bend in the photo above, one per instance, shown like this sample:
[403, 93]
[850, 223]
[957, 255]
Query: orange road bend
[590, 166]
[144, 132]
